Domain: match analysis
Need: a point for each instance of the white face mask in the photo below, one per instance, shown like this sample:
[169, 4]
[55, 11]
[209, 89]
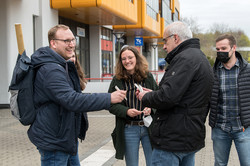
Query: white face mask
[147, 120]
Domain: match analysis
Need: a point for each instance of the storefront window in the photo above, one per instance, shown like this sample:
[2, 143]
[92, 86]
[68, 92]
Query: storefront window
[107, 52]
[107, 59]
[82, 42]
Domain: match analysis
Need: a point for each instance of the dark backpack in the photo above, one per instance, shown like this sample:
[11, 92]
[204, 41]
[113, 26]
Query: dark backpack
[21, 89]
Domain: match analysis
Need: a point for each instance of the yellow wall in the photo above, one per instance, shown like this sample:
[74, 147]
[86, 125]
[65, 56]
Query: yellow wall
[135, 13]
[122, 8]
[57, 4]
[176, 5]
[145, 22]
[118, 8]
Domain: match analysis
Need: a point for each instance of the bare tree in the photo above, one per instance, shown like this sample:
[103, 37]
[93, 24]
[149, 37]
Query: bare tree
[217, 28]
[192, 23]
[207, 39]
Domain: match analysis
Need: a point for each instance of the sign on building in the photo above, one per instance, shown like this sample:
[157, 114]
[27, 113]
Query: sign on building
[80, 32]
[138, 41]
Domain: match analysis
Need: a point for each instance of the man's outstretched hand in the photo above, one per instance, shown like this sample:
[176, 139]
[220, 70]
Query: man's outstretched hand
[118, 96]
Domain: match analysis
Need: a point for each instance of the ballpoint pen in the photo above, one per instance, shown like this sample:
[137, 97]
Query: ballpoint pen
[139, 87]
[116, 87]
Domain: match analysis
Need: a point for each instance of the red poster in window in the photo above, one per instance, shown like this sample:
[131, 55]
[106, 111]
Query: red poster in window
[107, 45]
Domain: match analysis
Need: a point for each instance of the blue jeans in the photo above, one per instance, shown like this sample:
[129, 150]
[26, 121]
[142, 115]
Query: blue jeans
[163, 158]
[133, 135]
[58, 158]
[222, 142]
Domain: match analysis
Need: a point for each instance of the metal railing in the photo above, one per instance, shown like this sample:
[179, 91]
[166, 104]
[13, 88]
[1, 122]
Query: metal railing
[157, 75]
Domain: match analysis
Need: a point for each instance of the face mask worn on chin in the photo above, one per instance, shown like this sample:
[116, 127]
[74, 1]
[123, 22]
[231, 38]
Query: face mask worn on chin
[223, 56]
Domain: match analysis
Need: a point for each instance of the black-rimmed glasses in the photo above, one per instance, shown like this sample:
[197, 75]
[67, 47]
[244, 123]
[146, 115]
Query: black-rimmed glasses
[165, 39]
[67, 41]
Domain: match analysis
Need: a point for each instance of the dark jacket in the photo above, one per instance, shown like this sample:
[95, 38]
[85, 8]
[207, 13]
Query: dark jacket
[182, 100]
[120, 110]
[60, 104]
[243, 93]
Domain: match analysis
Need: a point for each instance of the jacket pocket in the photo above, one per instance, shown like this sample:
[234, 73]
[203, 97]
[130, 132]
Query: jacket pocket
[60, 124]
[157, 124]
[60, 128]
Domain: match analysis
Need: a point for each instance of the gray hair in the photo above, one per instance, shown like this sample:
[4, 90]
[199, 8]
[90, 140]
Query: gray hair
[181, 29]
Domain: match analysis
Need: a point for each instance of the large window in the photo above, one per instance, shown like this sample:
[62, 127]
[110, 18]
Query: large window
[175, 15]
[106, 34]
[82, 45]
[82, 51]
[152, 8]
[107, 52]
[166, 11]
[107, 60]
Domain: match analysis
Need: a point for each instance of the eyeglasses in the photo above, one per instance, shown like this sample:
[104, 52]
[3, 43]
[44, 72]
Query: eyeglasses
[67, 41]
[165, 39]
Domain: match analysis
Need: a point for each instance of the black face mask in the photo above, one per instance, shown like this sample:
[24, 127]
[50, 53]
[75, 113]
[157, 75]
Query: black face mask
[223, 56]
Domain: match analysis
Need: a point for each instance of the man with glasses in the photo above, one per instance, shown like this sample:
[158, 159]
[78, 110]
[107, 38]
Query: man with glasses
[230, 103]
[59, 103]
[178, 131]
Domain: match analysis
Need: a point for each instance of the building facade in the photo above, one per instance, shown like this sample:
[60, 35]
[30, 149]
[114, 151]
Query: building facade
[101, 28]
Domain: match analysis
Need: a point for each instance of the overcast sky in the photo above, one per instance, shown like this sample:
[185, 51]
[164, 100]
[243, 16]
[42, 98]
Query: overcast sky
[233, 13]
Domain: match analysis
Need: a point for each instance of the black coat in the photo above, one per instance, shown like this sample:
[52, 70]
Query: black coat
[182, 100]
[60, 104]
[243, 93]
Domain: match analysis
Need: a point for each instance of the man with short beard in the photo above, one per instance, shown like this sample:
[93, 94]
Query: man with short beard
[230, 103]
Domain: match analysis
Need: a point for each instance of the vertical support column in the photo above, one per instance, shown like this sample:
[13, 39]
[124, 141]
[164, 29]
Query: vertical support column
[95, 51]
[155, 56]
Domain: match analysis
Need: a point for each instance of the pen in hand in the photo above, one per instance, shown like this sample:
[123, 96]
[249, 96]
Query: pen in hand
[116, 87]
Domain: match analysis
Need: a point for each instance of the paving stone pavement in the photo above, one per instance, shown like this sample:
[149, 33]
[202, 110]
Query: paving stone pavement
[203, 158]
[17, 150]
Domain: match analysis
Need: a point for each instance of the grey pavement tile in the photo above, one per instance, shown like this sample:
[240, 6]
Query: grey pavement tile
[17, 150]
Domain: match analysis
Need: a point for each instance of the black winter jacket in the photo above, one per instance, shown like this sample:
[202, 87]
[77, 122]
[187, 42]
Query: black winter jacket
[182, 100]
[59, 103]
[243, 93]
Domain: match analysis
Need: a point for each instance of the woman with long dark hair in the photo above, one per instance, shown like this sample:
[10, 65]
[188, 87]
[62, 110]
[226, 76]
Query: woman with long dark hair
[131, 70]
